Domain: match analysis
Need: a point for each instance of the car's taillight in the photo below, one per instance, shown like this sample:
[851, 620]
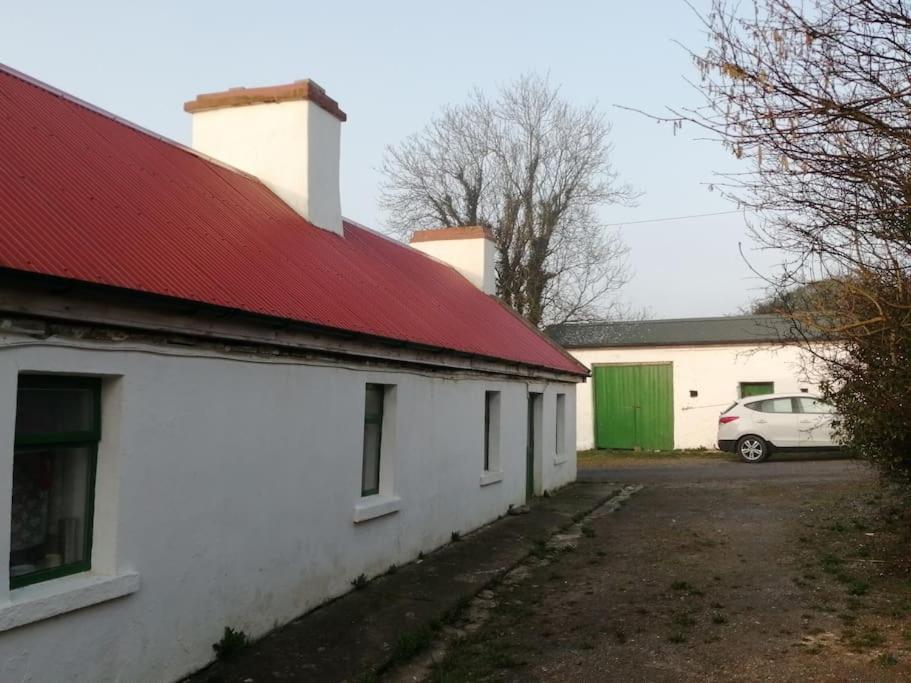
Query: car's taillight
[724, 419]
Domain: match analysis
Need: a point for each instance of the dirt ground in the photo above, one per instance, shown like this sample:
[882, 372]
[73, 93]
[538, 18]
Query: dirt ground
[716, 571]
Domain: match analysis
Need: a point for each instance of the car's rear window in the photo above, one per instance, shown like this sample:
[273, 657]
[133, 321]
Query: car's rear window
[772, 405]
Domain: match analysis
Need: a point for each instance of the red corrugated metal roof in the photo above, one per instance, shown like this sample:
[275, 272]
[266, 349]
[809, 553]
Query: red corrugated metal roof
[88, 197]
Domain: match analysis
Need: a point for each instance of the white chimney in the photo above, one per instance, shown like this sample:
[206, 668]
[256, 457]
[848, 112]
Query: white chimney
[470, 250]
[286, 135]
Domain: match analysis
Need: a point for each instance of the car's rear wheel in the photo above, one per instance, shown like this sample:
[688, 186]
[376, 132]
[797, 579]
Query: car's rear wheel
[752, 449]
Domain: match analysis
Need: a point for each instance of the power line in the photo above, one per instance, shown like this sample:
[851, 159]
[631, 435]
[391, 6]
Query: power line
[675, 218]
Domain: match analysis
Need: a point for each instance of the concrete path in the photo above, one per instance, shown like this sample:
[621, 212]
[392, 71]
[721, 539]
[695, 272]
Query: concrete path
[365, 630]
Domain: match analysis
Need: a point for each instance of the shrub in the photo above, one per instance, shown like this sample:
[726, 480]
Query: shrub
[232, 641]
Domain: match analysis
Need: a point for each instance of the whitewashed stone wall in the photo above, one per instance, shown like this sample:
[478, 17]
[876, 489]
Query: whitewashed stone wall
[226, 495]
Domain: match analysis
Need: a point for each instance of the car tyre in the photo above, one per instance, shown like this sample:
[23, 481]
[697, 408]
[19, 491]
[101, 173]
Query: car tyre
[752, 448]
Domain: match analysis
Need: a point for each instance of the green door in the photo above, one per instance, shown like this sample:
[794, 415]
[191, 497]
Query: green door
[634, 406]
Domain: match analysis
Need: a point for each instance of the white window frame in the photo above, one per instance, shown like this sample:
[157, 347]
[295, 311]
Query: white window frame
[560, 449]
[491, 438]
[385, 501]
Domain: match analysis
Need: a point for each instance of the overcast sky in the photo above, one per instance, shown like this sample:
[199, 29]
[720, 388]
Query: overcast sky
[392, 65]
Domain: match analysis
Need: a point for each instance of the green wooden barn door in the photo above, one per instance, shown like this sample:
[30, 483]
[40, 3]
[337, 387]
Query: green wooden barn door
[634, 406]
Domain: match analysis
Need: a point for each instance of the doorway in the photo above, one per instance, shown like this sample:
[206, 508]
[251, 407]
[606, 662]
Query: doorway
[634, 406]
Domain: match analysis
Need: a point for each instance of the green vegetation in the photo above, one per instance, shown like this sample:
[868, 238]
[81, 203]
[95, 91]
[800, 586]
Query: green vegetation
[232, 641]
[686, 586]
[864, 639]
[684, 619]
[410, 644]
[887, 659]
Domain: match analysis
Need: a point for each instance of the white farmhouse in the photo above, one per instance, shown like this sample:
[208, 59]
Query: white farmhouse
[661, 384]
[219, 400]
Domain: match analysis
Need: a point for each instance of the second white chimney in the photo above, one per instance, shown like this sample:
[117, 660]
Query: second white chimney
[288, 136]
[470, 250]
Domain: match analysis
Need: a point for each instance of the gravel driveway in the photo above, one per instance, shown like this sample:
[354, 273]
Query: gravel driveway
[713, 571]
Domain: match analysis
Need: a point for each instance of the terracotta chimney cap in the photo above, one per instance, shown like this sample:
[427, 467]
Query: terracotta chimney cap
[241, 97]
[464, 232]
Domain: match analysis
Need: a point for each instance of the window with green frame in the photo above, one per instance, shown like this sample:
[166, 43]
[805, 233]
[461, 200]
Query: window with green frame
[373, 439]
[58, 427]
[756, 388]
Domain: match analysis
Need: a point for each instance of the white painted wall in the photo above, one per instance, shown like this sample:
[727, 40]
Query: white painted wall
[474, 258]
[713, 371]
[292, 146]
[230, 487]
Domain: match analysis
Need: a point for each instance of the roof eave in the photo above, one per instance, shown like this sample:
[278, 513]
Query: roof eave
[157, 302]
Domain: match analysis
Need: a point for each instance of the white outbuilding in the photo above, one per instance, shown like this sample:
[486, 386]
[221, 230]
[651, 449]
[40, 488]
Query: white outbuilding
[220, 401]
[661, 384]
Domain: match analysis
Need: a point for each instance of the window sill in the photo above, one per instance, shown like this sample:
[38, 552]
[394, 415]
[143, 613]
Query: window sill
[372, 507]
[58, 596]
[560, 459]
[489, 478]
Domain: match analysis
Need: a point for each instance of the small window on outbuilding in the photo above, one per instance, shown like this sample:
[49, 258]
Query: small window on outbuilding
[58, 427]
[756, 388]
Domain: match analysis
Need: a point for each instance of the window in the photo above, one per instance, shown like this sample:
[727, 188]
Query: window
[58, 426]
[560, 445]
[772, 405]
[756, 388]
[491, 431]
[373, 439]
[814, 405]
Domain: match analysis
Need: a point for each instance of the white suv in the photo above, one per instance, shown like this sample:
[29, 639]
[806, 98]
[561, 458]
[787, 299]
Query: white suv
[755, 426]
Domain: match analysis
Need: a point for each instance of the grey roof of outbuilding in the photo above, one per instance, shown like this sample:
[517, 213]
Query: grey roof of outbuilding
[735, 329]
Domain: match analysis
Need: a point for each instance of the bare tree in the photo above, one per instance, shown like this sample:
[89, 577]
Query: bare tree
[533, 169]
[817, 97]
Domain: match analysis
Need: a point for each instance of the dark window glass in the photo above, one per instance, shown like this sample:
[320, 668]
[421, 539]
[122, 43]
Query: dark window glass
[58, 407]
[488, 398]
[57, 433]
[373, 439]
